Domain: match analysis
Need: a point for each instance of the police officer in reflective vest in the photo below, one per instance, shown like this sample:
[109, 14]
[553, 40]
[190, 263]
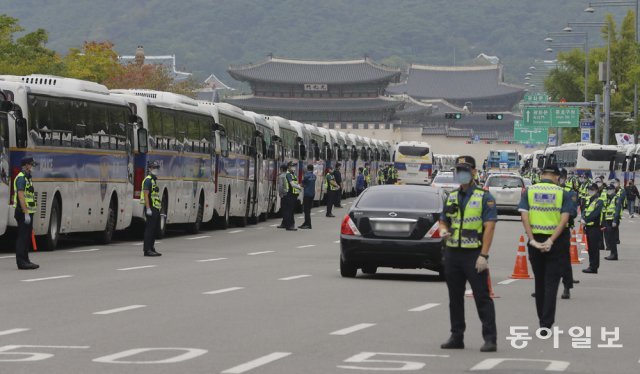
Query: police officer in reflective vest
[25, 206]
[290, 199]
[331, 188]
[591, 217]
[151, 199]
[468, 223]
[611, 212]
[545, 209]
[367, 175]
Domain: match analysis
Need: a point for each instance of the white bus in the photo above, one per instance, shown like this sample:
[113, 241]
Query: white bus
[317, 157]
[179, 138]
[591, 160]
[7, 115]
[266, 172]
[82, 138]
[413, 161]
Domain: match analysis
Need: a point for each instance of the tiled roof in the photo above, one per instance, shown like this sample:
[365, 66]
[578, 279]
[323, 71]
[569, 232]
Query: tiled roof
[455, 83]
[279, 70]
[296, 104]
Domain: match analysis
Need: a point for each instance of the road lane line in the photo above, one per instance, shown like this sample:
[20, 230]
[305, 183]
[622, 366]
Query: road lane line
[199, 237]
[276, 225]
[212, 259]
[118, 310]
[312, 214]
[85, 250]
[259, 228]
[259, 253]
[424, 307]
[507, 281]
[306, 246]
[337, 242]
[12, 256]
[12, 331]
[138, 267]
[235, 231]
[47, 278]
[243, 368]
[353, 328]
[294, 277]
[230, 289]
[142, 243]
[321, 211]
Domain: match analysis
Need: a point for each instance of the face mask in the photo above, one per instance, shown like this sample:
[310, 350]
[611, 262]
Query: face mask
[592, 193]
[154, 171]
[561, 180]
[616, 185]
[611, 193]
[599, 184]
[463, 177]
[581, 180]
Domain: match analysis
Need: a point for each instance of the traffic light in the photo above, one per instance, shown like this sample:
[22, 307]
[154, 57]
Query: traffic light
[495, 116]
[456, 115]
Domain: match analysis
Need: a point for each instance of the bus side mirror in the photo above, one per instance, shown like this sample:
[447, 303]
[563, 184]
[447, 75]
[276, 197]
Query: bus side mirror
[316, 151]
[143, 141]
[6, 106]
[21, 132]
[222, 146]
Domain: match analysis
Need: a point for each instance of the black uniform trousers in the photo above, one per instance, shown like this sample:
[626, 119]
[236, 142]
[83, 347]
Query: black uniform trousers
[150, 230]
[460, 267]
[548, 268]
[330, 198]
[307, 203]
[567, 276]
[594, 238]
[288, 204]
[337, 198]
[611, 238]
[24, 238]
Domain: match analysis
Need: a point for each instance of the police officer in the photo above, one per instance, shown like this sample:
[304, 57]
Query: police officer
[282, 193]
[611, 212]
[583, 190]
[382, 177]
[331, 189]
[546, 209]
[25, 206]
[309, 184]
[337, 175]
[567, 277]
[293, 190]
[151, 200]
[468, 223]
[591, 216]
[367, 175]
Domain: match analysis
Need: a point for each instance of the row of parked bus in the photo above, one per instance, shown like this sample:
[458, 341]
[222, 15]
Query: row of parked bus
[219, 164]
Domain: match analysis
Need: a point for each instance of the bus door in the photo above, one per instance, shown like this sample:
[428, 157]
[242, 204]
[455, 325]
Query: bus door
[257, 188]
[5, 180]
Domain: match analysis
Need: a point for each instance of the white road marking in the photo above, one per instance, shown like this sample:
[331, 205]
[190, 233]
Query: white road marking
[235, 231]
[118, 310]
[491, 363]
[117, 358]
[142, 243]
[138, 267]
[300, 217]
[507, 281]
[306, 246]
[85, 250]
[256, 363]
[353, 328]
[12, 331]
[294, 277]
[213, 259]
[276, 225]
[230, 289]
[12, 256]
[312, 214]
[468, 292]
[259, 253]
[424, 307]
[337, 242]
[47, 278]
[321, 211]
[199, 237]
[259, 228]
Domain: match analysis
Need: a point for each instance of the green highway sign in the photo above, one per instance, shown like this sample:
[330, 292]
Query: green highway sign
[536, 97]
[543, 116]
[529, 135]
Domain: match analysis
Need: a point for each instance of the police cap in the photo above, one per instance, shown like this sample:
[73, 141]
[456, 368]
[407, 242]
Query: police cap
[611, 187]
[563, 172]
[551, 168]
[593, 187]
[154, 165]
[27, 161]
[466, 163]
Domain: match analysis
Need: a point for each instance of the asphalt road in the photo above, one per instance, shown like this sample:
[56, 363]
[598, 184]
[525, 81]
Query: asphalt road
[262, 300]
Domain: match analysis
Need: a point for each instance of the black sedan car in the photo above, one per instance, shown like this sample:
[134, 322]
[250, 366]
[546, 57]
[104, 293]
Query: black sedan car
[392, 226]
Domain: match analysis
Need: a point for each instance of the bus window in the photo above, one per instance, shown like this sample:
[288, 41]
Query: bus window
[598, 154]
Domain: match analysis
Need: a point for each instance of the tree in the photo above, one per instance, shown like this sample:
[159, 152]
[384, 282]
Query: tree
[95, 61]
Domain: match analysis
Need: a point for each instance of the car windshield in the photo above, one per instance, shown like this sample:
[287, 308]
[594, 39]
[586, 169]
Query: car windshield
[384, 198]
[413, 151]
[502, 181]
[444, 178]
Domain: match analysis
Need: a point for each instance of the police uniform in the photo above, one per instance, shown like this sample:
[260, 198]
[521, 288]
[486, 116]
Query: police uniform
[331, 190]
[610, 218]
[23, 183]
[152, 212]
[567, 277]
[544, 203]
[293, 190]
[466, 212]
[591, 217]
[382, 177]
[367, 176]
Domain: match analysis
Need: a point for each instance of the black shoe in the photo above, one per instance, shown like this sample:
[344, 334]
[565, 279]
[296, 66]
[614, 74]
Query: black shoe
[281, 227]
[291, 229]
[590, 271]
[566, 294]
[304, 227]
[533, 294]
[453, 343]
[329, 215]
[575, 281]
[611, 258]
[29, 266]
[489, 347]
[152, 254]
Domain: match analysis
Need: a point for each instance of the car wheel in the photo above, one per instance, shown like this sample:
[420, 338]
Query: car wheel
[347, 270]
[369, 269]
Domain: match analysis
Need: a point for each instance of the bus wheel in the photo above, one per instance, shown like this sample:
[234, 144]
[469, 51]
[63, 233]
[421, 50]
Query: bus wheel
[162, 221]
[105, 237]
[50, 241]
[194, 228]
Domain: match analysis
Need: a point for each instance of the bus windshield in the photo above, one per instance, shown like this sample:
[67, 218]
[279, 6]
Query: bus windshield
[413, 151]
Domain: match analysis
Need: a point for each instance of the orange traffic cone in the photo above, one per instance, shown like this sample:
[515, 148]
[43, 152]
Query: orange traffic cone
[33, 241]
[469, 293]
[574, 249]
[579, 234]
[521, 269]
[583, 234]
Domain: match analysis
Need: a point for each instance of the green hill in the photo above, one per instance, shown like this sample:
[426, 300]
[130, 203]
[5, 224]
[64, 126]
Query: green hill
[207, 36]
